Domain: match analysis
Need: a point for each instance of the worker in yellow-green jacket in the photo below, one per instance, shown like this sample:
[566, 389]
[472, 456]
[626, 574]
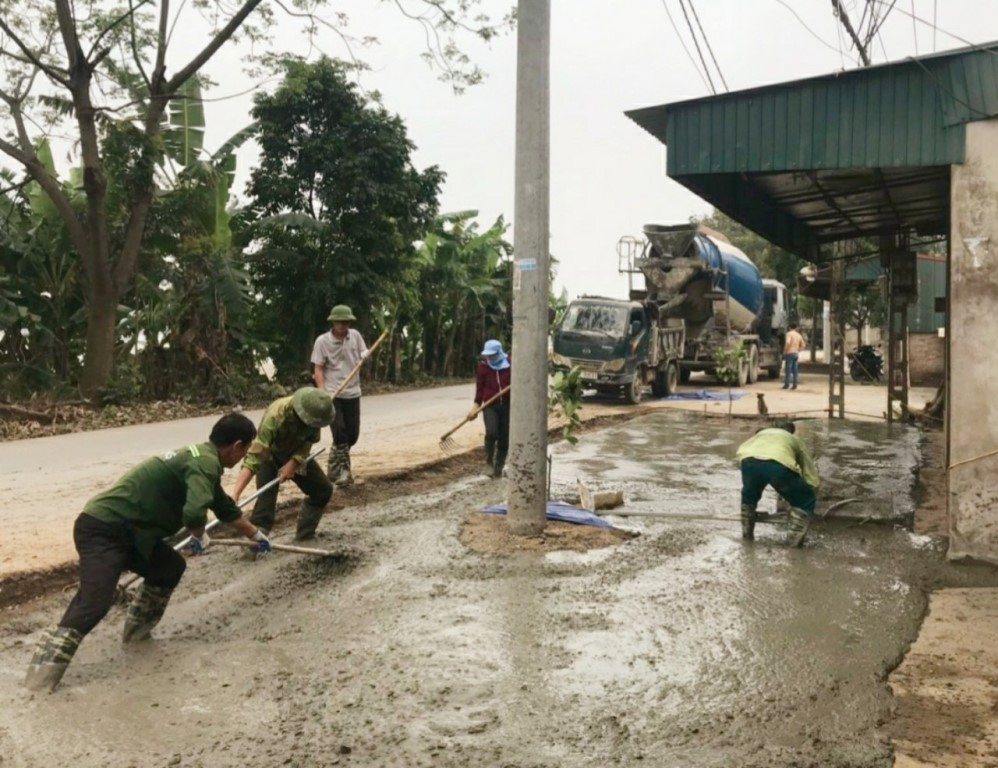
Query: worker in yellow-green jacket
[775, 456]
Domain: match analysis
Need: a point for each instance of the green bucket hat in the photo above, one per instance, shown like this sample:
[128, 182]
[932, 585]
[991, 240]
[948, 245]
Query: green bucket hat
[313, 406]
[341, 313]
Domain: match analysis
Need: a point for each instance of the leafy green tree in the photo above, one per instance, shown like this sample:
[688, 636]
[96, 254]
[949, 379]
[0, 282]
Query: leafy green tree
[98, 72]
[465, 290]
[336, 206]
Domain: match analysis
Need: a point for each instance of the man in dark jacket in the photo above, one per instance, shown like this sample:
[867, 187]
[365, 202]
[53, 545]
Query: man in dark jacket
[123, 529]
[491, 378]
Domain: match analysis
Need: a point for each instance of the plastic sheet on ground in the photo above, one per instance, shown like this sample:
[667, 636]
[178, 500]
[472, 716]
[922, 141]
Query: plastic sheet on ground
[707, 394]
[563, 511]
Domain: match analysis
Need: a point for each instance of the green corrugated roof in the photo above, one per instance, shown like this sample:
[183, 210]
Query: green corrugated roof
[852, 153]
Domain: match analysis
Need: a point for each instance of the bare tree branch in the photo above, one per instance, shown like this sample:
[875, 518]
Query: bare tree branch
[209, 50]
[110, 27]
[70, 39]
[135, 48]
[32, 57]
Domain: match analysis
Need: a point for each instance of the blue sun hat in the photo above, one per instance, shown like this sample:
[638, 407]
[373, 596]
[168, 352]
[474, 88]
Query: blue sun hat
[494, 356]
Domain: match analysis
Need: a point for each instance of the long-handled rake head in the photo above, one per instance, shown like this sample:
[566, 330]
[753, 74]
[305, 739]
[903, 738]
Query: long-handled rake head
[447, 444]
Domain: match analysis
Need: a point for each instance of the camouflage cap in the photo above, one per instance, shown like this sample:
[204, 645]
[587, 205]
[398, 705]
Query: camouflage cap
[313, 406]
[341, 313]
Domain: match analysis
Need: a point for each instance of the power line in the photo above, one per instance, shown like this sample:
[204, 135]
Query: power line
[934, 9]
[683, 43]
[966, 42]
[914, 29]
[814, 34]
[709, 49]
[696, 42]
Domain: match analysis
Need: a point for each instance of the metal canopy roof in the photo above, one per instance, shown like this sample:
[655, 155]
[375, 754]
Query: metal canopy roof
[851, 154]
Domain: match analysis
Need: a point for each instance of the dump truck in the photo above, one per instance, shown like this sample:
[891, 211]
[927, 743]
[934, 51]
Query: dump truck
[700, 294]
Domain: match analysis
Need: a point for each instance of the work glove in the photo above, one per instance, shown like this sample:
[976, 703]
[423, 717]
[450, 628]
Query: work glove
[262, 542]
[364, 355]
[198, 544]
[473, 413]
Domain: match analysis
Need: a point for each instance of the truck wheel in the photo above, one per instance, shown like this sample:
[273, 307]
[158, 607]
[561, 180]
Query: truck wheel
[684, 375]
[632, 391]
[753, 364]
[671, 378]
[743, 372]
[666, 380]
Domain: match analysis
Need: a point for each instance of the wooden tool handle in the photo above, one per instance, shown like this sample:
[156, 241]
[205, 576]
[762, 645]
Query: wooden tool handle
[359, 365]
[477, 411]
[276, 547]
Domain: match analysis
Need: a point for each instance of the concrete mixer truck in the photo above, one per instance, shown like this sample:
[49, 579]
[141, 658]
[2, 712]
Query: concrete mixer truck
[701, 294]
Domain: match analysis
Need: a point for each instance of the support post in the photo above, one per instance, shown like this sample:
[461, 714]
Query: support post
[528, 418]
[836, 349]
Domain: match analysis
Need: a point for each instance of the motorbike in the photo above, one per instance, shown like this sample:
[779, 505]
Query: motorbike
[866, 363]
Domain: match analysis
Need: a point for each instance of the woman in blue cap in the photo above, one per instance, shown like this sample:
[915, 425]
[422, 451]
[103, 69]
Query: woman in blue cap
[493, 376]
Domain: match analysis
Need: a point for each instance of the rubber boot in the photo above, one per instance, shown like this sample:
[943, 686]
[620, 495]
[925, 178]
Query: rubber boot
[308, 520]
[800, 523]
[343, 478]
[53, 653]
[500, 463]
[748, 522]
[490, 452]
[145, 612]
[336, 465]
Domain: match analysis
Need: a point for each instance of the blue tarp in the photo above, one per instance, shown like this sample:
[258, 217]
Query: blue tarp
[706, 394]
[559, 510]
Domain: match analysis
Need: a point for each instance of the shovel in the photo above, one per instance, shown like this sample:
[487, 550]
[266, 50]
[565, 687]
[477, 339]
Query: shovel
[357, 367]
[253, 497]
[446, 443]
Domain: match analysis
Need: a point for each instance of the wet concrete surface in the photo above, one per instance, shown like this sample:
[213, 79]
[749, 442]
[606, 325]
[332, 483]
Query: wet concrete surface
[683, 646]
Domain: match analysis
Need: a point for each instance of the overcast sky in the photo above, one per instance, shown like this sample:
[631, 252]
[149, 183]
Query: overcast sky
[607, 56]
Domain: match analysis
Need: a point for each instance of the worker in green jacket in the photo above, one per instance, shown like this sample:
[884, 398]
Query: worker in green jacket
[122, 529]
[774, 456]
[289, 428]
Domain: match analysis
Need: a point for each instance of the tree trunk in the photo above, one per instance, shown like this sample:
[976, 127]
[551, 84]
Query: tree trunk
[98, 361]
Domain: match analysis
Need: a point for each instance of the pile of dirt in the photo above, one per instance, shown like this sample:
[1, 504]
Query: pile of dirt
[490, 535]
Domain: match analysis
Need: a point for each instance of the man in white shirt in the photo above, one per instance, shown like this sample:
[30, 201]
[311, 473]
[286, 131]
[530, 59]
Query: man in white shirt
[336, 358]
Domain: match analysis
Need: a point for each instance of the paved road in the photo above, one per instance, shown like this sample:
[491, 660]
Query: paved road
[45, 482]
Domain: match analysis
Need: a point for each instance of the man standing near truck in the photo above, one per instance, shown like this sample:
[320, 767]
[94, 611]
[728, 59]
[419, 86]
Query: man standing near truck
[774, 456]
[792, 347]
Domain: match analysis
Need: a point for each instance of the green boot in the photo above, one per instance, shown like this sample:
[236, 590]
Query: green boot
[308, 520]
[799, 525]
[748, 522]
[342, 477]
[53, 653]
[500, 463]
[145, 612]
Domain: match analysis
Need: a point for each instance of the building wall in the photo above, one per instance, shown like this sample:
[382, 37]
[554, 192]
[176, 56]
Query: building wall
[972, 408]
[926, 359]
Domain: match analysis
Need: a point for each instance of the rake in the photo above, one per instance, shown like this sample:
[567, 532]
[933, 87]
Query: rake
[448, 445]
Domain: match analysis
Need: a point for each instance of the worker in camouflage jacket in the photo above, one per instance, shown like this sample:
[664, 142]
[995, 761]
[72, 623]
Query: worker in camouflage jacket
[122, 529]
[288, 430]
[775, 456]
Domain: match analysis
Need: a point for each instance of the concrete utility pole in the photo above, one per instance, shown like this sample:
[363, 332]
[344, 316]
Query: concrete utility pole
[528, 419]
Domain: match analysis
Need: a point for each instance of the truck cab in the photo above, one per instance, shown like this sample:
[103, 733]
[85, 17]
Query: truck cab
[605, 338]
[618, 347]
